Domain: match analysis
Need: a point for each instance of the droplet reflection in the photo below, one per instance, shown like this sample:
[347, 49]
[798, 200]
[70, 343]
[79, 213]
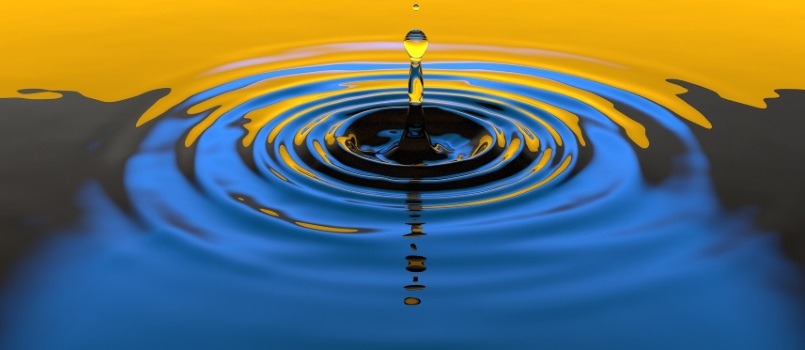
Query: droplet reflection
[412, 301]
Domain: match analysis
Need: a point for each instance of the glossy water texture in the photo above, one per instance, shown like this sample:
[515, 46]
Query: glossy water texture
[263, 214]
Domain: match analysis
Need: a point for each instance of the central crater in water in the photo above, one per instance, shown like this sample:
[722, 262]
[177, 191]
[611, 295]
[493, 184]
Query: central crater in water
[451, 143]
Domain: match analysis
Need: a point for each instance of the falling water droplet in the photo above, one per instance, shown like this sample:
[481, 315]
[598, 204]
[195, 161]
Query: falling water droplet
[416, 7]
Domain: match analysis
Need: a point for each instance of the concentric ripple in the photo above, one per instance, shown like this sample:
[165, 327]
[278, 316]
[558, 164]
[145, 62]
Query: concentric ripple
[304, 143]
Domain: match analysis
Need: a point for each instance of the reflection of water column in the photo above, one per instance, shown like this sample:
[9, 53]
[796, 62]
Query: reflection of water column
[416, 263]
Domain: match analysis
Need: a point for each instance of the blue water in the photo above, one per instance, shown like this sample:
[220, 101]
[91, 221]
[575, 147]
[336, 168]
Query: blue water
[594, 257]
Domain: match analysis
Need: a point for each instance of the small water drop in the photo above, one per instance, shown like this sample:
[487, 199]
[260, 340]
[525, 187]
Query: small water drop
[416, 43]
[416, 7]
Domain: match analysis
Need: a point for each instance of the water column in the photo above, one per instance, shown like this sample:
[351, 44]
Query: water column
[415, 146]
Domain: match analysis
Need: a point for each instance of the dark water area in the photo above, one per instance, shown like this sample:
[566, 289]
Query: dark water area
[122, 237]
[753, 155]
[50, 149]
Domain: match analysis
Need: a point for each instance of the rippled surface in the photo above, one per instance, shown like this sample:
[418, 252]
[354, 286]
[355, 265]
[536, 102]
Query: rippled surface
[258, 218]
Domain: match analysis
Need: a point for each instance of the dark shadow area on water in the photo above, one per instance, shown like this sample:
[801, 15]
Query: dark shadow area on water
[757, 159]
[48, 149]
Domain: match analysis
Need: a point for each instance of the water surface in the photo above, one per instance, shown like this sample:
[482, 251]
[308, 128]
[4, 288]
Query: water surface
[191, 175]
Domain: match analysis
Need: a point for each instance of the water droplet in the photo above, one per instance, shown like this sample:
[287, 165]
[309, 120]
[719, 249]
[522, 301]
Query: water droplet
[416, 7]
[416, 43]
